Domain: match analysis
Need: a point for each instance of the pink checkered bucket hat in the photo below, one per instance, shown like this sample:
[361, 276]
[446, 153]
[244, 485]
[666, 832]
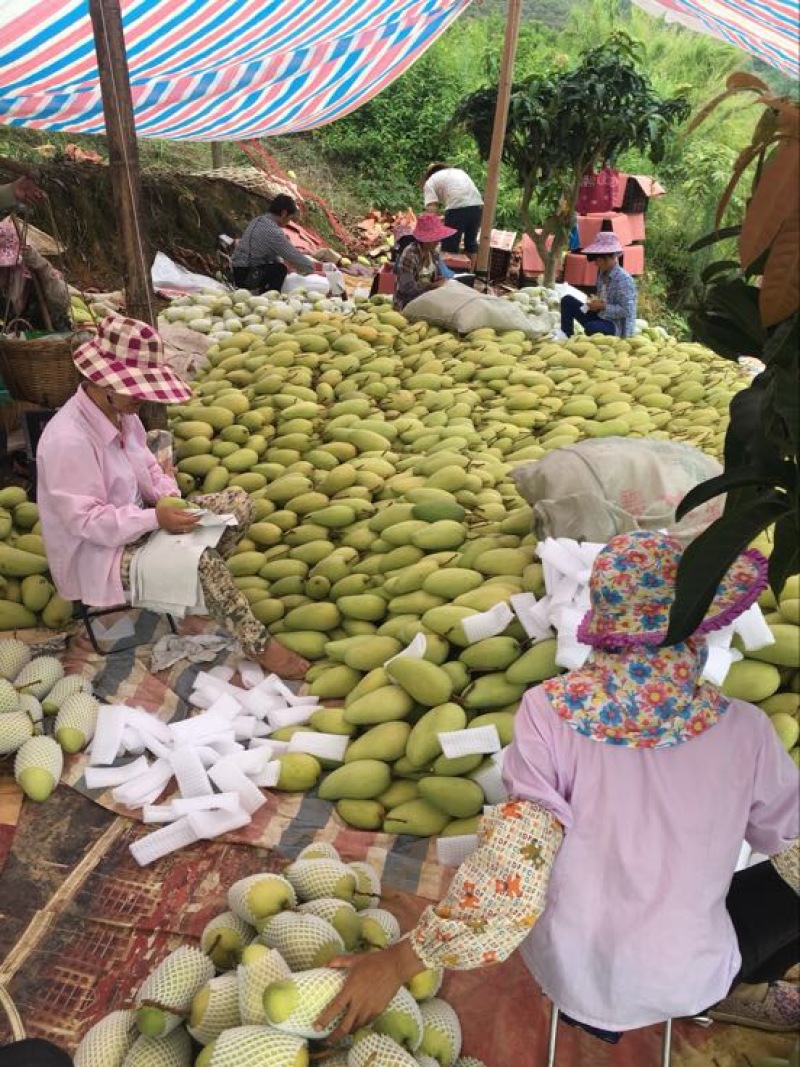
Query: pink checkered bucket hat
[605, 243]
[127, 356]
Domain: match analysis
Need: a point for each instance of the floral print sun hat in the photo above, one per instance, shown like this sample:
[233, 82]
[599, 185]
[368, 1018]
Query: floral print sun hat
[632, 589]
[631, 692]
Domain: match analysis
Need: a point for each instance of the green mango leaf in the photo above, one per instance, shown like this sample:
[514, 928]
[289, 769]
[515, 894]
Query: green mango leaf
[735, 479]
[706, 560]
[785, 558]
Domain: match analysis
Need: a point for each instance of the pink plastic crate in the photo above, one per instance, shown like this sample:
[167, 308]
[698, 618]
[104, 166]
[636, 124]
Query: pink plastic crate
[386, 279]
[531, 260]
[458, 263]
[633, 259]
[636, 224]
[590, 225]
[578, 270]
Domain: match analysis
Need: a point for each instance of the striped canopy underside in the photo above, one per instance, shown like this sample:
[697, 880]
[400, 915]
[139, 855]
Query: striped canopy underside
[213, 70]
[206, 70]
[767, 29]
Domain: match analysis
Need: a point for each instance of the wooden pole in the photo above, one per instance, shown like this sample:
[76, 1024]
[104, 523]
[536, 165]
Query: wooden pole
[123, 154]
[513, 17]
[216, 155]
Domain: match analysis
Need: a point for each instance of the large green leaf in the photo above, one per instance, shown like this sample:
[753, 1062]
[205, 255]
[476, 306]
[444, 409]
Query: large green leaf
[723, 234]
[785, 557]
[782, 474]
[706, 560]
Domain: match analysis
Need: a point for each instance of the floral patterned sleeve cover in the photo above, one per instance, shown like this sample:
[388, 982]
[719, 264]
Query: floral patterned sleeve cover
[498, 892]
[787, 864]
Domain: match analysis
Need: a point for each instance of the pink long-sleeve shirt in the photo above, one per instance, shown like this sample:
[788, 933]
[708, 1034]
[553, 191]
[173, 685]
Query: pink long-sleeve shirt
[93, 483]
[635, 928]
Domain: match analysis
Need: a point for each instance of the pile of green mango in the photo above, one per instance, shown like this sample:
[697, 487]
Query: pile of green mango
[28, 598]
[378, 454]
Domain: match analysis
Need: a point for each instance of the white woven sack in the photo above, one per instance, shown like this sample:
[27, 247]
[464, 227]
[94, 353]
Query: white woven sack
[595, 489]
[457, 307]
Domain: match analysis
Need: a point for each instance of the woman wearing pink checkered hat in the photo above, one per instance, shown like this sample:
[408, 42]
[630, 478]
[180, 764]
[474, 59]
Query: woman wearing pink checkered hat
[101, 492]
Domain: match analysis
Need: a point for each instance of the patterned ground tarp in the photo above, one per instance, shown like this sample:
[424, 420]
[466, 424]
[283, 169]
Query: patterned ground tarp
[81, 924]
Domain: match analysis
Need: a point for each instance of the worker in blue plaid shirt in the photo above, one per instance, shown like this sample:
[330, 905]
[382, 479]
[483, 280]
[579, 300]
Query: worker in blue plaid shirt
[613, 310]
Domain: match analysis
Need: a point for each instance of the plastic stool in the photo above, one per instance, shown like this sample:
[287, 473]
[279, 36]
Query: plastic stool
[552, 1038]
[87, 615]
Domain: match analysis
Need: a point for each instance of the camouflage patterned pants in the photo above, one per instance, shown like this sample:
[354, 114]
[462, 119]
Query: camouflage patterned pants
[226, 604]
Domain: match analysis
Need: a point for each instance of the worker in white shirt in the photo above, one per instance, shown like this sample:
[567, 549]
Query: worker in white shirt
[452, 190]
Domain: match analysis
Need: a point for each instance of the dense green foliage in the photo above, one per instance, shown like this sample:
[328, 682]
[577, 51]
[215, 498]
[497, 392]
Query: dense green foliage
[387, 144]
[565, 123]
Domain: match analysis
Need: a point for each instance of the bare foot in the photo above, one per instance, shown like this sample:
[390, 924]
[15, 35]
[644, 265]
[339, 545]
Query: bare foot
[276, 659]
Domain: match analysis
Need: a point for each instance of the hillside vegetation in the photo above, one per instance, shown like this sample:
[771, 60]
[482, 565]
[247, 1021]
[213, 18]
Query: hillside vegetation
[375, 156]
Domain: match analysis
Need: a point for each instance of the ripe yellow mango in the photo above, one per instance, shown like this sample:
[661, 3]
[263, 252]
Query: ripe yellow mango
[492, 691]
[386, 742]
[785, 652]
[533, 666]
[460, 798]
[750, 680]
[423, 743]
[417, 818]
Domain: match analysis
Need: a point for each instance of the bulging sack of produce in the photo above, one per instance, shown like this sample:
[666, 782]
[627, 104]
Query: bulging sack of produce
[459, 308]
[601, 487]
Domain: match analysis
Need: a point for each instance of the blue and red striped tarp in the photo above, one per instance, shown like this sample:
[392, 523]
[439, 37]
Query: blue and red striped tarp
[238, 69]
[768, 29]
[214, 70]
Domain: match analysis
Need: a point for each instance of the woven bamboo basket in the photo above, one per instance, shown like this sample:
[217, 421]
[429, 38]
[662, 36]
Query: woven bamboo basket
[40, 370]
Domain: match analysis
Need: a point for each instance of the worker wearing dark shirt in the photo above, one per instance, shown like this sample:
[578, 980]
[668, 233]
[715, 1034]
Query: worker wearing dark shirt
[260, 257]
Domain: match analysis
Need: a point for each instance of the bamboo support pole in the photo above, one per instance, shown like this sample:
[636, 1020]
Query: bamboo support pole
[112, 65]
[513, 18]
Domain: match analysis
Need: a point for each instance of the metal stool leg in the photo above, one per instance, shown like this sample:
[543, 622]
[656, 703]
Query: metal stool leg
[87, 622]
[666, 1044]
[552, 1036]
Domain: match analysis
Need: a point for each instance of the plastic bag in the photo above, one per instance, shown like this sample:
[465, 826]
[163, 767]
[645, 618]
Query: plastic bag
[169, 275]
[595, 489]
[312, 283]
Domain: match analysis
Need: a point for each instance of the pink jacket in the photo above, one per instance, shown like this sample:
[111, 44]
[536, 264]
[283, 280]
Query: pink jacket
[93, 484]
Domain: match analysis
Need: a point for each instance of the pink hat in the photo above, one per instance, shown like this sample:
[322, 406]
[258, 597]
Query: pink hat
[9, 244]
[127, 356]
[605, 243]
[401, 230]
[430, 229]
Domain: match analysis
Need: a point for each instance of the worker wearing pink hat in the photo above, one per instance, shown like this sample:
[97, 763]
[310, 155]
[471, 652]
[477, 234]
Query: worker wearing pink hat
[419, 268]
[101, 492]
[612, 310]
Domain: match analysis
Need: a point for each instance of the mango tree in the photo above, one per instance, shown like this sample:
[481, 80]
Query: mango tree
[750, 306]
[564, 123]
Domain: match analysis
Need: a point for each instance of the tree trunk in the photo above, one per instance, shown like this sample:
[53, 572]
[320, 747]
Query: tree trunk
[539, 236]
[513, 17]
[554, 257]
[216, 155]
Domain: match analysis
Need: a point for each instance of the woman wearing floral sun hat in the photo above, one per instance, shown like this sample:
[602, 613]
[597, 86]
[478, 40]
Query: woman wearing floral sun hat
[101, 493]
[612, 310]
[632, 785]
